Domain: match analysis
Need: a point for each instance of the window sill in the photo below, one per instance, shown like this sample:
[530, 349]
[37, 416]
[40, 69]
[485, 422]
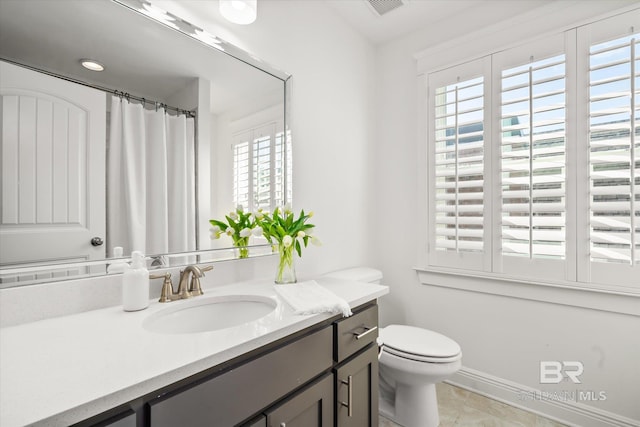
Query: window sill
[573, 295]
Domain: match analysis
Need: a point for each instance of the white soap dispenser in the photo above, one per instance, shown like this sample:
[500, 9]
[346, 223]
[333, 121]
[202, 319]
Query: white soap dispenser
[135, 284]
[119, 265]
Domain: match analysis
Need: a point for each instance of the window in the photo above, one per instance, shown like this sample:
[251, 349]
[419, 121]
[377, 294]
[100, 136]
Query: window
[534, 160]
[260, 158]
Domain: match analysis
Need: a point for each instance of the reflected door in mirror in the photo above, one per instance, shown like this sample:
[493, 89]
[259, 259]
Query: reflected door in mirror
[53, 187]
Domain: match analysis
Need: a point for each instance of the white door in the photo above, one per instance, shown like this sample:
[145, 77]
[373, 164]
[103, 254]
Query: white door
[53, 168]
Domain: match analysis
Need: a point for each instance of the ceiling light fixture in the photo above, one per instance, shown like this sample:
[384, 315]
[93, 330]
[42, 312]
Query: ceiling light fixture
[239, 11]
[92, 65]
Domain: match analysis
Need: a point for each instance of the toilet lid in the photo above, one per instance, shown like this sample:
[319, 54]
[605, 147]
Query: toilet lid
[422, 343]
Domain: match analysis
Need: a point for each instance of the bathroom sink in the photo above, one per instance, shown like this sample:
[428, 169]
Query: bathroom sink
[203, 314]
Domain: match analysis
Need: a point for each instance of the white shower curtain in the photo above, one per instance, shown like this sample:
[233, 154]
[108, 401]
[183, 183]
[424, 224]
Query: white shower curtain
[150, 180]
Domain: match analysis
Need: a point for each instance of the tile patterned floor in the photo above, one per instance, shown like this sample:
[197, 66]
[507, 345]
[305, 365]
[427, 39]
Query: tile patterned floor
[462, 408]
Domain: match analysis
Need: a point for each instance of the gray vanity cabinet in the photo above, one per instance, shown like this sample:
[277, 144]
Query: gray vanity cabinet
[323, 376]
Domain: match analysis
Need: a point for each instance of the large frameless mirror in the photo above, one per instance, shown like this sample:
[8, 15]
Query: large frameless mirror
[138, 151]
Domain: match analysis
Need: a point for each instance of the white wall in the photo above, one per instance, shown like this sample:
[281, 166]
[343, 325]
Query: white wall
[503, 339]
[332, 116]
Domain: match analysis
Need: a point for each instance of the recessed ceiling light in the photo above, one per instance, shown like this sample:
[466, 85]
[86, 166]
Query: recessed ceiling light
[92, 65]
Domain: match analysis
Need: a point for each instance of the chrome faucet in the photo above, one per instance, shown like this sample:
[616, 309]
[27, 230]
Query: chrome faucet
[186, 288]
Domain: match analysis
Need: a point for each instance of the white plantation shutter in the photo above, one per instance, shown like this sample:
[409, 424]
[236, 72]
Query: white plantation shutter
[459, 141]
[457, 150]
[278, 184]
[532, 152]
[282, 168]
[263, 173]
[614, 150]
[241, 177]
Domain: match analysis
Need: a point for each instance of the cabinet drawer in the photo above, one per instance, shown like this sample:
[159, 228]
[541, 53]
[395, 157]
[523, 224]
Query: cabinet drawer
[234, 396]
[355, 332]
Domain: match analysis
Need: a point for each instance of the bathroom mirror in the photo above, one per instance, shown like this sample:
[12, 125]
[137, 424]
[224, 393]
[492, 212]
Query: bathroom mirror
[53, 193]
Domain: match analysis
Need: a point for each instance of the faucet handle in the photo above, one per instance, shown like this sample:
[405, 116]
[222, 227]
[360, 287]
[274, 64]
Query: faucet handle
[167, 286]
[194, 286]
[205, 268]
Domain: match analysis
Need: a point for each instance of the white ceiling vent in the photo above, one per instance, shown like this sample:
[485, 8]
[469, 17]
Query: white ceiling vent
[382, 7]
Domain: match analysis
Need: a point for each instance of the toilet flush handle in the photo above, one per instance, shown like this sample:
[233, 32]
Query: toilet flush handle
[366, 332]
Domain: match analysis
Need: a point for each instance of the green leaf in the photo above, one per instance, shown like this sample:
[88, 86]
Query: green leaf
[220, 224]
[298, 248]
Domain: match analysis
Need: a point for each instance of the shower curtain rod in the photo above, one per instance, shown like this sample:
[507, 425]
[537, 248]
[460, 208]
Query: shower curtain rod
[121, 94]
[144, 101]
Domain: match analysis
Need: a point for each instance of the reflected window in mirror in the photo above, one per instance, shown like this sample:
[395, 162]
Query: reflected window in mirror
[261, 159]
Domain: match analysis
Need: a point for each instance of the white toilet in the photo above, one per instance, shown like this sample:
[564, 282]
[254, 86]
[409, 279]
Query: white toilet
[412, 360]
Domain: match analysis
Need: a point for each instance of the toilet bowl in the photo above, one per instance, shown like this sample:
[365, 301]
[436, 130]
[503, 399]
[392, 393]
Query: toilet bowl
[411, 361]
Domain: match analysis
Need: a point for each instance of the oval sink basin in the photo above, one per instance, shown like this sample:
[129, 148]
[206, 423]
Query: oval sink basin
[204, 314]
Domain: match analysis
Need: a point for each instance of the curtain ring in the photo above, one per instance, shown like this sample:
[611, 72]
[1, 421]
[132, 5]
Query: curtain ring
[127, 97]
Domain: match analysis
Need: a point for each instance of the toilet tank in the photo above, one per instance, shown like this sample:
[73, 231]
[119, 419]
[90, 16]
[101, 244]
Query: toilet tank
[359, 274]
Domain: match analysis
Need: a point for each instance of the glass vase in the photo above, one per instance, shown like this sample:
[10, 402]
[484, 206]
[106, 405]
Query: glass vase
[242, 247]
[286, 269]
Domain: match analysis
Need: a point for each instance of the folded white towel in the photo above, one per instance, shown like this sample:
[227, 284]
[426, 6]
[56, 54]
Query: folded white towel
[309, 298]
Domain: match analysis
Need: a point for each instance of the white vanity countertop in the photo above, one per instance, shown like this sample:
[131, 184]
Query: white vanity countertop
[59, 371]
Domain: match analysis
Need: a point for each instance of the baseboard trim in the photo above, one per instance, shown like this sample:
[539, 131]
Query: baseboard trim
[567, 412]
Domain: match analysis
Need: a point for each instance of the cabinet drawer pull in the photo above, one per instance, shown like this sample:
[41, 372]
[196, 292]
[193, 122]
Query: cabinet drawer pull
[349, 403]
[365, 333]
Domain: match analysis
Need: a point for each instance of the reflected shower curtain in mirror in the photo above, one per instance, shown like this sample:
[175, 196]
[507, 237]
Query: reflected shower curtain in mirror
[150, 180]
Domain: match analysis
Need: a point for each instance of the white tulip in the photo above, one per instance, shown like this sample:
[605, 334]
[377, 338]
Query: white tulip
[287, 241]
[215, 232]
[301, 234]
[245, 232]
[315, 241]
[233, 215]
[257, 231]
[229, 231]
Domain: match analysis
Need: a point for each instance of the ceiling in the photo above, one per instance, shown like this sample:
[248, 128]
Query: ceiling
[415, 15]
